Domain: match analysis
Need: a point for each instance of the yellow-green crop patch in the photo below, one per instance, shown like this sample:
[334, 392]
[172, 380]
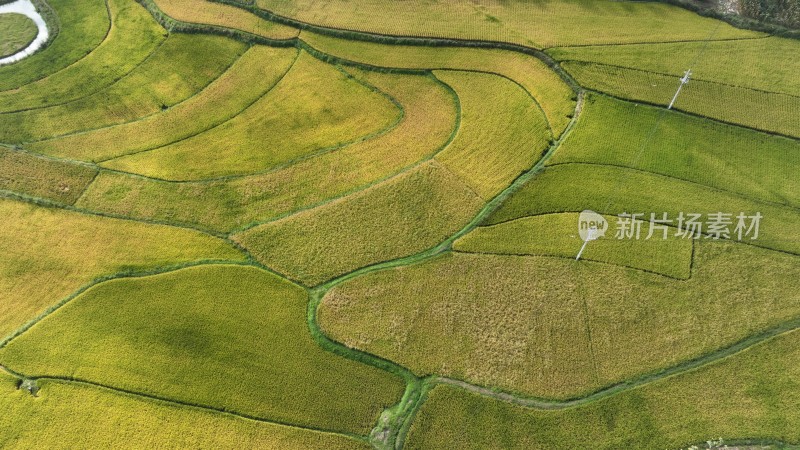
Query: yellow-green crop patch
[615, 190]
[402, 216]
[83, 25]
[70, 415]
[50, 253]
[752, 164]
[540, 24]
[41, 177]
[752, 394]
[502, 134]
[250, 77]
[550, 91]
[314, 108]
[557, 235]
[16, 32]
[134, 35]
[182, 66]
[218, 14]
[430, 115]
[767, 111]
[750, 63]
[230, 337]
[555, 327]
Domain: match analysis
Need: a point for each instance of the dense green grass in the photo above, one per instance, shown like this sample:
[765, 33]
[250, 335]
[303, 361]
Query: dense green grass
[755, 165]
[498, 140]
[557, 235]
[430, 115]
[751, 108]
[557, 328]
[230, 337]
[614, 190]
[540, 24]
[315, 107]
[65, 416]
[751, 395]
[50, 253]
[550, 91]
[752, 63]
[36, 176]
[133, 37]
[183, 65]
[250, 77]
[218, 14]
[83, 24]
[16, 32]
[402, 216]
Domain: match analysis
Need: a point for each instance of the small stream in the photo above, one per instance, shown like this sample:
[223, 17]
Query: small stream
[26, 8]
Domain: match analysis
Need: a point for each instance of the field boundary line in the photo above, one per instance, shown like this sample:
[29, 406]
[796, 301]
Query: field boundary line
[683, 41]
[687, 366]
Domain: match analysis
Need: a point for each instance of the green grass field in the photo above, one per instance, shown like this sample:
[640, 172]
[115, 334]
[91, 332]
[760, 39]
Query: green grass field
[18, 32]
[227, 205]
[230, 337]
[314, 108]
[292, 224]
[753, 393]
[66, 415]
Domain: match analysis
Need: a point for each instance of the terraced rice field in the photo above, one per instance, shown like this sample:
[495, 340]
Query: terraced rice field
[328, 224]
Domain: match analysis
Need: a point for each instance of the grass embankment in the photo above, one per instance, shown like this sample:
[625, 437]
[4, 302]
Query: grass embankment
[550, 91]
[218, 14]
[182, 66]
[250, 77]
[752, 395]
[16, 32]
[230, 337]
[761, 110]
[752, 164]
[66, 415]
[402, 216]
[314, 108]
[83, 25]
[556, 328]
[50, 253]
[134, 35]
[539, 24]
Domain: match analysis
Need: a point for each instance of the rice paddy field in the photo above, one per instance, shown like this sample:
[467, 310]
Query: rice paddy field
[295, 224]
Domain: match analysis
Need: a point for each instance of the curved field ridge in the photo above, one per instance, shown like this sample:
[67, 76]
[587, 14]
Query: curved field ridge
[230, 337]
[750, 394]
[50, 253]
[72, 415]
[313, 108]
[555, 328]
[430, 117]
[553, 95]
[42, 177]
[539, 24]
[247, 80]
[133, 37]
[211, 13]
[83, 25]
[24, 31]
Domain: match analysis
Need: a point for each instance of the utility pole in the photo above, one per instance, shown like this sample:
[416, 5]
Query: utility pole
[684, 80]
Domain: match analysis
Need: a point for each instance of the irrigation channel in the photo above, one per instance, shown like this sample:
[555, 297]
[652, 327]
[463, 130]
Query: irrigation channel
[28, 9]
